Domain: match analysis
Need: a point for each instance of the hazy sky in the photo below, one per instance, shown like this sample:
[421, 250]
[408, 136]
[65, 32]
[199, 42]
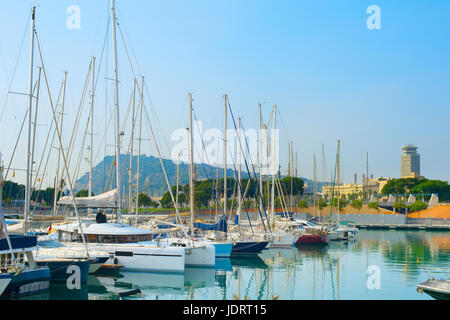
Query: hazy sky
[331, 77]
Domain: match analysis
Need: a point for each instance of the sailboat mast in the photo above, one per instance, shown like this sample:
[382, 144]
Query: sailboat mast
[141, 103]
[116, 109]
[314, 188]
[61, 117]
[225, 198]
[191, 163]
[239, 171]
[260, 155]
[338, 180]
[92, 125]
[30, 106]
[272, 200]
[130, 176]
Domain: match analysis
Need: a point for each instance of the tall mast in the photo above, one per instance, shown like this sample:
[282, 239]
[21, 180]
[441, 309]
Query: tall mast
[260, 156]
[191, 164]
[225, 154]
[130, 176]
[296, 163]
[314, 188]
[30, 107]
[323, 163]
[141, 102]
[34, 126]
[116, 109]
[289, 159]
[239, 171]
[272, 200]
[338, 180]
[92, 125]
[292, 181]
[61, 117]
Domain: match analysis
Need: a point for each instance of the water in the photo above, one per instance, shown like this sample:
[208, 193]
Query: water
[337, 271]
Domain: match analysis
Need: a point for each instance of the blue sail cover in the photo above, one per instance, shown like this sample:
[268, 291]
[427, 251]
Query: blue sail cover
[221, 225]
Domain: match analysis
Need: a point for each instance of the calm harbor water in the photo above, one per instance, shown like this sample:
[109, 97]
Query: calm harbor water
[333, 272]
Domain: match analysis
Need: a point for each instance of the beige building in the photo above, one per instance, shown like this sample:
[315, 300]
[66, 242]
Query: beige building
[373, 186]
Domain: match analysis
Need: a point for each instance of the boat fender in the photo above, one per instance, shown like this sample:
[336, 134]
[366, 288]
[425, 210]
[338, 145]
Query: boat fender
[116, 260]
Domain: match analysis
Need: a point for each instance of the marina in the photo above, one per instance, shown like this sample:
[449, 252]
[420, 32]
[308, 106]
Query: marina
[337, 271]
[103, 207]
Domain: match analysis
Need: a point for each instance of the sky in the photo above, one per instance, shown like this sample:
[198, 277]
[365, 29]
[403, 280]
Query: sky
[331, 76]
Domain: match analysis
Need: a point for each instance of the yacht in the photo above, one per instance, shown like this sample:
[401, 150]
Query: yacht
[129, 246]
[50, 247]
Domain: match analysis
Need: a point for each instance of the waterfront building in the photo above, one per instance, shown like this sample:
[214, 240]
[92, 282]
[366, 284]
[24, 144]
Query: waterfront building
[371, 186]
[410, 162]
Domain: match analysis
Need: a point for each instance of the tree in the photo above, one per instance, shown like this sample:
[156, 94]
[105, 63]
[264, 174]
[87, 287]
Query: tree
[357, 204]
[399, 206]
[83, 193]
[321, 203]
[417, 206]
[400, 186]
[342, 204]
[297, 186]
[373, 205]
[146, 201]
[433, 186]
[302, 204]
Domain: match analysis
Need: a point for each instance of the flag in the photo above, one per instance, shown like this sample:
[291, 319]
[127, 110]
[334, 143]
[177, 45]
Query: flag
[49, 229]
[14, 173]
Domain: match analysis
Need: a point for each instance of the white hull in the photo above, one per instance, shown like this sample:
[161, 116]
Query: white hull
[284, 240]
[197, 253]
[202, 256]
[137, 257]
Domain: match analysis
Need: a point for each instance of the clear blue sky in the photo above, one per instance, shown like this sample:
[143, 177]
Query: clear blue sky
[330, 76]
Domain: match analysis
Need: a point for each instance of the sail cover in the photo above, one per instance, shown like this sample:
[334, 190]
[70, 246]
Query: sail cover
[104, 200]
[221, 225]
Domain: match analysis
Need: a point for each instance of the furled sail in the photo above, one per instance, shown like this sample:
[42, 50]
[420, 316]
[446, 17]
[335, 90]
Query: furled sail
[104, 200]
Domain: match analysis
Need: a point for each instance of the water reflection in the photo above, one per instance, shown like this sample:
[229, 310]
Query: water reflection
[337, 271]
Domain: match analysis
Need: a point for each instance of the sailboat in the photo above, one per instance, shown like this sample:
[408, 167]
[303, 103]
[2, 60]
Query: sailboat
[16, 277]
[130, 246]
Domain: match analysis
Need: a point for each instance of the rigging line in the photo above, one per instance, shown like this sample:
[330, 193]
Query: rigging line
[46, 141]
[61, 145]
[17, 141]
[284, 125]
[153, 108]
[151, 128]
[207, 159]
[77, 119]
[248, 171]
[5, 99]
[160, 160]
[220, 204]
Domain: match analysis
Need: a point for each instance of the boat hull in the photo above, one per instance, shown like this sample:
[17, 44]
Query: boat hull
[28, 282]
[5, 279]
[223, 250]
[61, 270]
[142, 257]
[248, 247]
[312, 239]
[202, 256]
[283, 241]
